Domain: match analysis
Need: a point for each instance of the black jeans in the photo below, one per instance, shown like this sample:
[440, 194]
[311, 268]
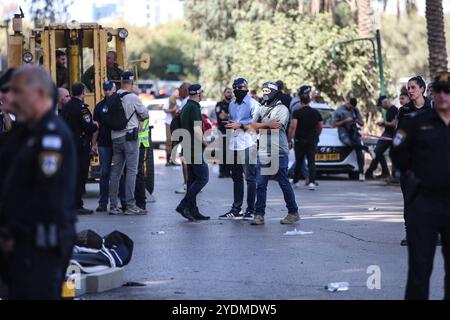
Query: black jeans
[427, 218]
[308, 149]
[84, 159]
[141, 180]
[198, 176]
[238, 171]
[380, 149]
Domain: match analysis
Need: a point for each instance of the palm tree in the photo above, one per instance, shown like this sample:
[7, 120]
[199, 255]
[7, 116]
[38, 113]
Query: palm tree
[364, 17]
[437, 51]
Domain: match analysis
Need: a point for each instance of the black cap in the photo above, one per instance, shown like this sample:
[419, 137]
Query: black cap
[6, 77]
[381, 99]
[304, 90]
[239, 82]
[127, 76]
[353, 101]
[442, 82]
[195, 89]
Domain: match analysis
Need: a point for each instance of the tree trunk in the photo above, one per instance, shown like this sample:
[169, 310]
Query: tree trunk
[437, 51]
[364, 19]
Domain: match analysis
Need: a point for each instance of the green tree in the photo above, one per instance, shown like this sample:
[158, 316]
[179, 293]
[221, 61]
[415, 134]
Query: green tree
[48, 11]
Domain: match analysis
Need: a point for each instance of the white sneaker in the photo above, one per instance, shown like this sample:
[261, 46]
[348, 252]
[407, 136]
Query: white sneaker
[134, 210]
[362, 177]
[295, 185]
[181, 191]
[312, 186]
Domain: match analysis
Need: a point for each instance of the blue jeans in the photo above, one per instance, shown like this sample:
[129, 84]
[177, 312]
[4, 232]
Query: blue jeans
[238, 171]
[198, 176]
[105, 155]
[283, 181]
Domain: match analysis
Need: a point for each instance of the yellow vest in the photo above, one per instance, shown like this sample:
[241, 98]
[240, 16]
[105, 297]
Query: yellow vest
[143, 134]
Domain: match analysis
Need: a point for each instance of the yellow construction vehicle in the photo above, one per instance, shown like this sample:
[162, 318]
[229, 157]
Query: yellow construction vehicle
[86, 46]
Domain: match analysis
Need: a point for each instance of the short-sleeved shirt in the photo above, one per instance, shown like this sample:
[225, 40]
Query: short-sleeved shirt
[391, 115]
[307, 123]
[274, 112]
[104, 134]
[168, 105]
[343, 113]
[190, 116]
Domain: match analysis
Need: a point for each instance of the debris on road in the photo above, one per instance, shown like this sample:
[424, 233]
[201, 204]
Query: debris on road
[297, 233]
[337, 286]
[158, 233]
[373, 209]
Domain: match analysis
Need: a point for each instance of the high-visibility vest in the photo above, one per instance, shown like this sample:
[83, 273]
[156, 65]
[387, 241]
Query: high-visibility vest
[143, 134]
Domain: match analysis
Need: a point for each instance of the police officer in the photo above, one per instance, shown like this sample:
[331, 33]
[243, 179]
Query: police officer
[418, 103]
[222, 115]
[37, 170]
[424, 138]
[79, 119]
[141, 179]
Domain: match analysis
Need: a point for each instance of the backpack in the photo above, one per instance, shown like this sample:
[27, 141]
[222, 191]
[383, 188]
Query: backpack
[114, 118]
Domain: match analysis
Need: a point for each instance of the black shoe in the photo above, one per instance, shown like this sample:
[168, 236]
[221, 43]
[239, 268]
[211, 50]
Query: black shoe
[186, 213]
[84, 212]
[404, 243]
[101, 209]
[369, 176]
[199, 216]
[124, 208]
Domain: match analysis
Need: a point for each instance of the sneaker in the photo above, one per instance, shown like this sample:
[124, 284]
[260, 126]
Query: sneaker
[362, 177]
[312, 186]
[257, 221]
[114, 211]
[181, 191]
[101, 209]
[248, 216]
[231, 216]
[84, 212]
[134, 210]
[290, 219]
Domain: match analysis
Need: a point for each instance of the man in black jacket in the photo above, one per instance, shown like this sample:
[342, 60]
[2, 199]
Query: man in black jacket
[79, 119]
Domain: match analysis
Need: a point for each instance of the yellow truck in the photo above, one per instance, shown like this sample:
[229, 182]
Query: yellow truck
[85, 45]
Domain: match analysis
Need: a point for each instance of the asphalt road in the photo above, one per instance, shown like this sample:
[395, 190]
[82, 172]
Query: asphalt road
[234, 260]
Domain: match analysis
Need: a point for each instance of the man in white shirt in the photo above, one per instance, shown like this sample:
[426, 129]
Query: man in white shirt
[170, 108]
[126, 148]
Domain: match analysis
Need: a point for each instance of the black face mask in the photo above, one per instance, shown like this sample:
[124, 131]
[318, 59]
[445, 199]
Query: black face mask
[269, 98]
[240, 95]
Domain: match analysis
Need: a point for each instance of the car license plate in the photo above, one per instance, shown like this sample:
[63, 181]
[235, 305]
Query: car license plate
[328, 157]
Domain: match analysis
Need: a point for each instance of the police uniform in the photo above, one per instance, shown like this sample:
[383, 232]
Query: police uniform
[141, 179]
[421, 150]
[222, 107]
[38, 170]
[79, 120]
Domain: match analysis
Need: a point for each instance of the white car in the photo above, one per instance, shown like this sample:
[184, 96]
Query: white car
[157, 119]
[332, 155]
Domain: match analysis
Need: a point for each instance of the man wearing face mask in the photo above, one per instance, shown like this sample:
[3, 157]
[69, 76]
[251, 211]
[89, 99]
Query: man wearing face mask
[243, 146]
[271, 120]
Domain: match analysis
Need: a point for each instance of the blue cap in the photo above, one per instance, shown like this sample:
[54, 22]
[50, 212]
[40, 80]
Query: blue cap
[127, 76]
[239, 82]
[194, 89]
[108, 85]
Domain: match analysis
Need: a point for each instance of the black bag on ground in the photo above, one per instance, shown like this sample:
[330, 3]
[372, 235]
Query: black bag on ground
[115, 118]
[89, 239]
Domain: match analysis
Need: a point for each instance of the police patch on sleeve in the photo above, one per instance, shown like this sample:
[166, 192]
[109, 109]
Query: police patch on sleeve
[51, 142]
[400, 136]
[49, 162]
[87, 118]
[218, 109]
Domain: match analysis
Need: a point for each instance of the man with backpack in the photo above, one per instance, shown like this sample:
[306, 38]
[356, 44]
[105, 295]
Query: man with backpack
[102, 146]
[125, 111]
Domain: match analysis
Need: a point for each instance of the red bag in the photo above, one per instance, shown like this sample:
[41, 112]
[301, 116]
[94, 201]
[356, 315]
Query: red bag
[206, 123]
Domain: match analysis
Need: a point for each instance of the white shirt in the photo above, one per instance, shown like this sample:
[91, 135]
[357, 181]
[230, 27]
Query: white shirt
[183, 103]
[243, 113]
[169, 116]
